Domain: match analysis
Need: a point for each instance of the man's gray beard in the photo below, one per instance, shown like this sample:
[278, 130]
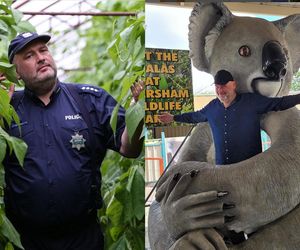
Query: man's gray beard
[224, 98]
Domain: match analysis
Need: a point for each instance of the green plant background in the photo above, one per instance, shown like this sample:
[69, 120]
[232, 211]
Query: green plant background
[114, 53]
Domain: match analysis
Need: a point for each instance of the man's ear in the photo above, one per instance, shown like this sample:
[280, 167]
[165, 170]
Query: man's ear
[235, 84]
[17, 74]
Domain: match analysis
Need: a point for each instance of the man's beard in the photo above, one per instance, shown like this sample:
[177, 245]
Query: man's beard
[43, 86]
[223, 97]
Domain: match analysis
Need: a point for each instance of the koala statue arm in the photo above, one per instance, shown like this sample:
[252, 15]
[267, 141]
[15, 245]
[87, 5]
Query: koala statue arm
[262, 188]
[249, 188]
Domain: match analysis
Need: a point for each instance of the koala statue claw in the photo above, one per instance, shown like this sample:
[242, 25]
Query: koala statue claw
[263, 191]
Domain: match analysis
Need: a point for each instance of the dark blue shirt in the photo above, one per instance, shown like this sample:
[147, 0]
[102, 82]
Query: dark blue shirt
[236, 129]
[54, 186]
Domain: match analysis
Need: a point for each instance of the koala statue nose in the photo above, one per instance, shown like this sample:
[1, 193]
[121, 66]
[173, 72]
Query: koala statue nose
[274, 61]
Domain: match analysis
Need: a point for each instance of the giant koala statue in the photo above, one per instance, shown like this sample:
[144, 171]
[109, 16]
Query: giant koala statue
[262, 56]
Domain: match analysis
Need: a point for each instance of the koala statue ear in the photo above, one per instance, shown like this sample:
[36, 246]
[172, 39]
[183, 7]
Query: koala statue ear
[207, 21]
[290, 27]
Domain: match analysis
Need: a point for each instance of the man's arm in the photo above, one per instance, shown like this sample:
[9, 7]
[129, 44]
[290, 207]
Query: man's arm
[289, 101]
[266, 104]
[133, 148]
[190, 117]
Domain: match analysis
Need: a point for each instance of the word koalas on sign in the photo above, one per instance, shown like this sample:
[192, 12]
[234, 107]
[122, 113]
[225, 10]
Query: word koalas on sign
[73, 117]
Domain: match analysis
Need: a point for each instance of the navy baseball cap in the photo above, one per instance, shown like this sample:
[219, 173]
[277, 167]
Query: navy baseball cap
[222, 77]
[22, 40]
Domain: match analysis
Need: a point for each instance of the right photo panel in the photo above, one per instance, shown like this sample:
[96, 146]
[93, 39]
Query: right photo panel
[222, 144]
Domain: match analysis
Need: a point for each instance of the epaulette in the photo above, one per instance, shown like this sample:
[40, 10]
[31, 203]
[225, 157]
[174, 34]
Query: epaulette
[91, 90]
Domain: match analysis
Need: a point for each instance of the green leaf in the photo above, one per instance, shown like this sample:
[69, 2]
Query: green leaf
[3, 28]
[7, 138]
[114, 211]
[9, 231]
[127, 33]
[114, 118]
[16, 145]
[163, 82]
[2, 148]
[115, 232]
[134, 115]
[5, 65]
[20, 149]
[9, 246]
[9, 71]
[135, 239]
[119, 75]
[4, 106]
[9, 20]
[1, 220]
[5, 8]
[6, 83]
[17, 16]
[120, 244]
[25, 26]
[1, 179]
[126, 83]
[134, 186]
[15, 116]
[113, 50]
[126, 200]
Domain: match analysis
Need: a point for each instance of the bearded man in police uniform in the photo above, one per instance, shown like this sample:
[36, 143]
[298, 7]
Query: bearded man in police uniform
[50, 200]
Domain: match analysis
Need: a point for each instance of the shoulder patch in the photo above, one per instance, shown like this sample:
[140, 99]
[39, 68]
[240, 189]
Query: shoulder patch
[89, 88]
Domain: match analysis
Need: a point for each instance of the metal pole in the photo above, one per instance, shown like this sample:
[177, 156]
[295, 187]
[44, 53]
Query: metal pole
[35, 13]
[169, 164]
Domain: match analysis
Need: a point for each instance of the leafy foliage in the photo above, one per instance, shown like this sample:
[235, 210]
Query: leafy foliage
[10, 25]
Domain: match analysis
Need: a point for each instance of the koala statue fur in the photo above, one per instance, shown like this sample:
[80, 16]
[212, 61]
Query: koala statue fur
[262, 57]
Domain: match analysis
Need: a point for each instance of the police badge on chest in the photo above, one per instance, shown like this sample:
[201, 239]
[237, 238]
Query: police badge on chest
[77, 141]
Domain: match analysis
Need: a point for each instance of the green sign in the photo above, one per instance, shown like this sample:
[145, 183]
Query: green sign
[168, 83]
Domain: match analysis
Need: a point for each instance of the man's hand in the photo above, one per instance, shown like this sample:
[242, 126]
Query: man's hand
[166, 118]
[136, 89]
[207, 239]
[194, 211]
[11, 89]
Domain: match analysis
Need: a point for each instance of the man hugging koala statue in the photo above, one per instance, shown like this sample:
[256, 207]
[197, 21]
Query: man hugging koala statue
[203, 206]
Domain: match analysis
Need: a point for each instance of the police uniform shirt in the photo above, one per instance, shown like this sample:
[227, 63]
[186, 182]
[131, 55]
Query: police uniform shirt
[53, 187]
[236, 129]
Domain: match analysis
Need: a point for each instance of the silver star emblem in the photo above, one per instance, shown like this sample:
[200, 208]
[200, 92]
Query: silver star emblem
[77, 141]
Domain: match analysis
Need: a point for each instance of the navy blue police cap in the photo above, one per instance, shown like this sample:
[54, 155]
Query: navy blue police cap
[22, 40]
[222, 77]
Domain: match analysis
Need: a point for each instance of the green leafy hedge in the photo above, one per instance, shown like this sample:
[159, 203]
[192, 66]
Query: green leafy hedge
[10, 25]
